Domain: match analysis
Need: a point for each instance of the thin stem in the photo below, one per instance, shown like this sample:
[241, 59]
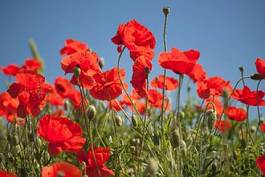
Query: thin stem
[123, 87]
[230, 96]
[88, 127]
[258, 110]
[164, 74]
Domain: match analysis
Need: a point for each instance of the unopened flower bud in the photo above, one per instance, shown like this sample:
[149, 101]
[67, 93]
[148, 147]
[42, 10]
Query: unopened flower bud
[134, 121]
[110, 139]
[77, 71]
[180, 115]
[91, 112]
[166, 10]
[151, 168]
[241, 69]
[175, 138]
[211, 114]
[101, 62]
[118, 120]
[183, 146]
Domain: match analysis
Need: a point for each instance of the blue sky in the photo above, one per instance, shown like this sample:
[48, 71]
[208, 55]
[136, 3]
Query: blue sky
[228, 33]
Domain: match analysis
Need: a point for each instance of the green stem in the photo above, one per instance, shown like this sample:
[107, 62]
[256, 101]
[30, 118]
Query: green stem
[164, 74]
[123, 87]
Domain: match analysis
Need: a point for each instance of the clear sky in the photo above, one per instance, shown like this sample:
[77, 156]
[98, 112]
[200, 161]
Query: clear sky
[228, 33]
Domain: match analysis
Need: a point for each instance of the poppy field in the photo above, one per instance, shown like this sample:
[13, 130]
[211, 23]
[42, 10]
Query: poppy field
[92, 122]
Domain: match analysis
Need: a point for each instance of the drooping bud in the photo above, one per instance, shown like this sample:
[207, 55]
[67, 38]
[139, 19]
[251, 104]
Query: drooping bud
[118, 120]
[77, 71]
[211, 117]
[151, 168]
[166, 10]
[91, 112]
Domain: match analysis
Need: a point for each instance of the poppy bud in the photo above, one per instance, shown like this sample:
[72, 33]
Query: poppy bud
[38, 142]
[211, 116]
[166, 10]
[152, 168]
[257, 77]
[134, 121]
[183, 146]
[180, 115]
[110, 139]
[118, 121]
[46, 155]
[77, 71]
[253, 129]
[101, 62]
[241, 69]
[91, 112]
[175, 138]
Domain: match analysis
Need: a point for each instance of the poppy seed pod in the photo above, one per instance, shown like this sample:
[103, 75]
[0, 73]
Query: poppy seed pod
[166, 10]
[118, 120]
[151, 168]
[77, 71]
[91, 112]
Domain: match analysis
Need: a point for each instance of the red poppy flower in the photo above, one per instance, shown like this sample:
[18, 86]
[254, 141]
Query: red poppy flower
[61, 169]
[203, 90]
[155, 99]
[213, 86]
[141, 68]
[96, 167]
[197, 73]
[107, 85]
[134, 36]
[116, 105]
[237, 114]
[178, 61]
[32, 64]
[251, 98]
[66, 90]
[170, 82]
[61, 133]
[260, 66]
[222, 125]
[140, 106]
[7, 174]
[29, 88]
[77, 54]
[262, 127]
[145, 52]
[260, 162]
[8, 106]
[53, 97]
[72, 46]
[10, 70]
